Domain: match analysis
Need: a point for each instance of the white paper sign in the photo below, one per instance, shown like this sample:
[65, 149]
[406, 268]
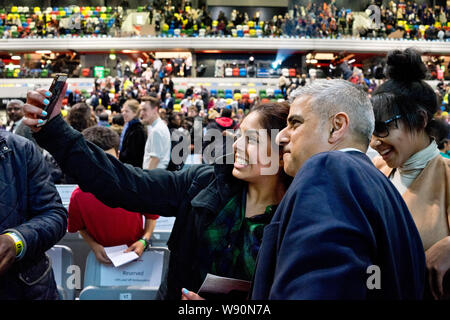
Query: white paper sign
[164, 224]
[55, 255]
[118, 257]
[144, 272]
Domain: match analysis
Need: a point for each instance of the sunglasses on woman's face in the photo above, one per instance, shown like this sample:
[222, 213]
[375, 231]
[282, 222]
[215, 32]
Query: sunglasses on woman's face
[382, 127]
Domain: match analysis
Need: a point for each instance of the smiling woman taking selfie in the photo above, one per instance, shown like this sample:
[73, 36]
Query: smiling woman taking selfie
[220, 210]
[404, 107]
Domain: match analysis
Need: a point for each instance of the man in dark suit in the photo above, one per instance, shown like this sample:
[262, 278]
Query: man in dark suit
[168, 102]
[342, 231]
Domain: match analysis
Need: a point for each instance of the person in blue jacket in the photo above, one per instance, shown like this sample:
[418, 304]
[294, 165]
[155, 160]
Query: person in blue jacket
[32, 220]
[342, 231]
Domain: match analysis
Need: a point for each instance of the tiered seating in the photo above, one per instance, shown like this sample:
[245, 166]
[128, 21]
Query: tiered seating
[25, 18]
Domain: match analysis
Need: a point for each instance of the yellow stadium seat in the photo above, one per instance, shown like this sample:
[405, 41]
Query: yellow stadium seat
[14, 9]
[229, 101]
[176, 108]
[37, 9]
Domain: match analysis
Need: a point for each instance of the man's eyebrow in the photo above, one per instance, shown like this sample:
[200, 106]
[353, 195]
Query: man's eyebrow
[295, 117]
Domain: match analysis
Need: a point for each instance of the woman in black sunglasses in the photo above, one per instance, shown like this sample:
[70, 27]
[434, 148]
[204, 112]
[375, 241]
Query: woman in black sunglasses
[404, 107]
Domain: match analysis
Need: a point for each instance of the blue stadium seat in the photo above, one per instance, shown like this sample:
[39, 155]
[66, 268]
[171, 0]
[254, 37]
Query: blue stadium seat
[62, 258]
[213, 92]
[242, 72]
[277, 92]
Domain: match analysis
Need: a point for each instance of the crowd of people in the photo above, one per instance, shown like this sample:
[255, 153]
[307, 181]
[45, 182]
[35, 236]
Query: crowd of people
[262, 169]
[241, 213]
[399, 19]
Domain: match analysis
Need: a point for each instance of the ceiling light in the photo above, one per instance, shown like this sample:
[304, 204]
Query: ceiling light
[43, 51]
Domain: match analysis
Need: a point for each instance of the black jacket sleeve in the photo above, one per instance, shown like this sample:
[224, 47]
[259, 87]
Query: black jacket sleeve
[114, 183]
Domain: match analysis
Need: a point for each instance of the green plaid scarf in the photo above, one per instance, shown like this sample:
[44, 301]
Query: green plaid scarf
[232, 241]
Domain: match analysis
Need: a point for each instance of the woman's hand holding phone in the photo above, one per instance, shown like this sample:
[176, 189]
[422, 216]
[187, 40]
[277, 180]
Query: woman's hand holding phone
[35, 105]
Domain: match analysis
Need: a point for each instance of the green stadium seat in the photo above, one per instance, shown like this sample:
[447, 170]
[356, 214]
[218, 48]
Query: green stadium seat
[44, 73]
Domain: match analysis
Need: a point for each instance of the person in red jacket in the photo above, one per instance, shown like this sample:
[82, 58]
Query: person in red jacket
[100, 225]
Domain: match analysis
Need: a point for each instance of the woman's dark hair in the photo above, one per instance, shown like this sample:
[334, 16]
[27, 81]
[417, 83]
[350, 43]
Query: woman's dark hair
[406, 93]
[79, 117]
[171, 120]
[272, 115]
[440, 132]
[102, 137]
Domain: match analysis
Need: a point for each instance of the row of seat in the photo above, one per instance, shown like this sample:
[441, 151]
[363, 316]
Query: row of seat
[35, 73]
[48, 10]
[242, 72]
[237, 94]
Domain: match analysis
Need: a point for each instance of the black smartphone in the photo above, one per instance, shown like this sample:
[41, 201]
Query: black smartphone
[56, 88]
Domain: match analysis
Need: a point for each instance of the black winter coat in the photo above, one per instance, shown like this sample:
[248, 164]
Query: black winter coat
[31, 207]
[133, 145]
[194, 196]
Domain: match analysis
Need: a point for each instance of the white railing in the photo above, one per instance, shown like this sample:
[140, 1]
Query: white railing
[222, 43]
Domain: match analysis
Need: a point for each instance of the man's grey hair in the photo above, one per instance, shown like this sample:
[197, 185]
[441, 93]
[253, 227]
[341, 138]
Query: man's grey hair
[329, 97]
[15, 101]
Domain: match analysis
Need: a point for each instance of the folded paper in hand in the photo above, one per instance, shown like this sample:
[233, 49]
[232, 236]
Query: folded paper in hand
[215, 286]
[118, 257]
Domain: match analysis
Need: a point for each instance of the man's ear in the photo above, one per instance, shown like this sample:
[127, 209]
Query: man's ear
[339, 127]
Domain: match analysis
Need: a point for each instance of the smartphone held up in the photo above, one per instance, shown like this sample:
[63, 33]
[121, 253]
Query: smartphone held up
[56, 89]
